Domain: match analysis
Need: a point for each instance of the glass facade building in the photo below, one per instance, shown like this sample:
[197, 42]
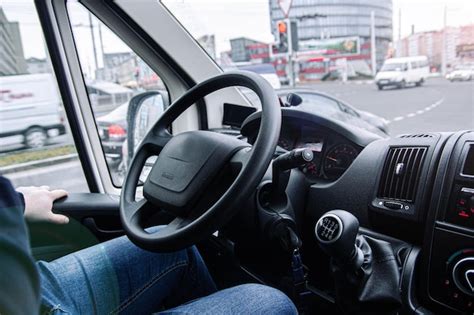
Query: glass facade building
[340, 18]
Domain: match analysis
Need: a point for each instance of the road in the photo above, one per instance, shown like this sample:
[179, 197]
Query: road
[67, 176]
[436, 106]
[439, 105]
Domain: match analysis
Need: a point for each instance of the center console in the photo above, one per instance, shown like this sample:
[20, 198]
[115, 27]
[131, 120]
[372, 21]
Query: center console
[447, 269]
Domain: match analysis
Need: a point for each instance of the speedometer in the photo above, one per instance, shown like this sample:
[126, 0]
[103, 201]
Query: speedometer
[338, 160]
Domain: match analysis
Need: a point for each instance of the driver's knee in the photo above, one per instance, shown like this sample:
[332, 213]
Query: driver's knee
[261, 299]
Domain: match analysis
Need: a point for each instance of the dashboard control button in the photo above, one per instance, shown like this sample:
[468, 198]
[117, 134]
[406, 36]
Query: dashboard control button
[469, 275]
[463, 275]
[393, 205]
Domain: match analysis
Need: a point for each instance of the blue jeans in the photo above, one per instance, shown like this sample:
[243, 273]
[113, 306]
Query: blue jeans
[119, 277]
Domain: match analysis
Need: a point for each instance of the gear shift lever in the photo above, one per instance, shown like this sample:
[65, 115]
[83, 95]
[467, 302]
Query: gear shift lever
[360, 284]
[336, 232]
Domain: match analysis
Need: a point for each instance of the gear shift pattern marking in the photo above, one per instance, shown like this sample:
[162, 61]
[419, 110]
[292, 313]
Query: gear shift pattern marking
[329, 229]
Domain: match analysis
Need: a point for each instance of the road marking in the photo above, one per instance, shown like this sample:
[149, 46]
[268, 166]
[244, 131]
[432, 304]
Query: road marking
[418, 112]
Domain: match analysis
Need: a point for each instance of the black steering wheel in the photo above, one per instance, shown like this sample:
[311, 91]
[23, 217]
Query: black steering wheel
[200, 177]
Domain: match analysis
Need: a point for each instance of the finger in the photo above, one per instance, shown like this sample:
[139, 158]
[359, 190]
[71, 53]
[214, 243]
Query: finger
[44, 187]
[58, 219]
[58, 193]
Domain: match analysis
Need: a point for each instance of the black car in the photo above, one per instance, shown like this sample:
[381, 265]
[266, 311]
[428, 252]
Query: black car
[113, 132]
[113, 126]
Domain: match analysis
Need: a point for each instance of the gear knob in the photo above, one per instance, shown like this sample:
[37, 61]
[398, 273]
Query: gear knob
[336, 232]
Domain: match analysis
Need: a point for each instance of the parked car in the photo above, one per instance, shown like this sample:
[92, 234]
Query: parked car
[461, 73]
[400, 72]
[30, 110]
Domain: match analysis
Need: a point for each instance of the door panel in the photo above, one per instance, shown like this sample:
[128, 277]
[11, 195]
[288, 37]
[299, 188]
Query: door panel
[94, 218]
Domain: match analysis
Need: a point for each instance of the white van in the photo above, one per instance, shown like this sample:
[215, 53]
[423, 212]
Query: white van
[400, 72]
[30, 110]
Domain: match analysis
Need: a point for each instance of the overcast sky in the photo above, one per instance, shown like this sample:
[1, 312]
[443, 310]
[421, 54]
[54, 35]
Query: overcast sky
[232, 18]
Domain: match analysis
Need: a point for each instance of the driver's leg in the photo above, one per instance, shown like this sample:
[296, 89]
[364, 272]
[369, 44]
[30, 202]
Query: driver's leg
[117, 276]
[242, 299]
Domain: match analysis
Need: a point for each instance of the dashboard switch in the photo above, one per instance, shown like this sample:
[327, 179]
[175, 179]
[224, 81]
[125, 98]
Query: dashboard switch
[393, 205]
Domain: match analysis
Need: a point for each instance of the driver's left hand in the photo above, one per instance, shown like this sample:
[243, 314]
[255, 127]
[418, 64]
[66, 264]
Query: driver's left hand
[39, 204]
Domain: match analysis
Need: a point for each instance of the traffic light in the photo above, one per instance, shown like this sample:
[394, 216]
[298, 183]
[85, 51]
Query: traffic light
[282, 29]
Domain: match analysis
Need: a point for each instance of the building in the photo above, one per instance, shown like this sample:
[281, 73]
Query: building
[430, 44]
[36, 65]
[12, 60]
[465, 53]
[320, 21]
[242, 48]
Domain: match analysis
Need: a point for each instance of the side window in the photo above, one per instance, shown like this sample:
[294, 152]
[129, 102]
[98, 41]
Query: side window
[36, 146]
[114, 74]
[414, 64]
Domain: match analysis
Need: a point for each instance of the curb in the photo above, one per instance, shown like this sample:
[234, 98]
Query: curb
[35, 164]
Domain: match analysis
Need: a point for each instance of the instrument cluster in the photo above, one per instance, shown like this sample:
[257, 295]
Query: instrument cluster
[332, 153]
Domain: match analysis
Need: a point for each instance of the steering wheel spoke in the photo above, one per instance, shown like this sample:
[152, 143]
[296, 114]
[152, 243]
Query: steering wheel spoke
[240, 159]
[154, 143]
[140, 211]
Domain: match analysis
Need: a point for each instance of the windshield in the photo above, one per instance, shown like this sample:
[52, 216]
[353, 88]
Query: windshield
[317, 45]
[394, 67]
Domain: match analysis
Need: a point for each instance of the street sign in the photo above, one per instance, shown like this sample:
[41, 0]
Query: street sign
[285, 6]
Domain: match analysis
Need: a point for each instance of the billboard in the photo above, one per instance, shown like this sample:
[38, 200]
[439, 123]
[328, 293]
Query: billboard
[332, 46]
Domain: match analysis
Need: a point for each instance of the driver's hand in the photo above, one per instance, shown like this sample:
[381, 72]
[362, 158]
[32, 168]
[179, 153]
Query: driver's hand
[39, 204]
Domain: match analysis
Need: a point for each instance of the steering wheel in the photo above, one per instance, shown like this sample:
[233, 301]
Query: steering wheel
[199, 177]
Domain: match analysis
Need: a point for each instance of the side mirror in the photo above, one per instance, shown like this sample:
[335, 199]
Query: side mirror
[293, 99]
[143, 111]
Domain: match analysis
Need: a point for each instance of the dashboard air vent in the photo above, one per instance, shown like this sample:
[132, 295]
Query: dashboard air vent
[401, 173]
[418, 135]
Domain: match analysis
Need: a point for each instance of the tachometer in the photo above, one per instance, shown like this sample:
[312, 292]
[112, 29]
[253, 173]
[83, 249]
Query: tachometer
[338, 160]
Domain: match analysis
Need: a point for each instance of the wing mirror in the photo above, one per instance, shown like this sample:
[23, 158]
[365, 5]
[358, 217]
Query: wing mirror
[293, 99]
[143, 111]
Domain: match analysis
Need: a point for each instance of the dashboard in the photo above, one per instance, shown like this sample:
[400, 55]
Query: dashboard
[433, 200]
[333, 154]
[335, 145]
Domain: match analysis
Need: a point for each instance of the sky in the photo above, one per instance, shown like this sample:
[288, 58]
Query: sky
[227, 19]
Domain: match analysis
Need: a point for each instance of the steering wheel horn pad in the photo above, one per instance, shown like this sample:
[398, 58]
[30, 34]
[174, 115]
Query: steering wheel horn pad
[187, 164]
[185, 168]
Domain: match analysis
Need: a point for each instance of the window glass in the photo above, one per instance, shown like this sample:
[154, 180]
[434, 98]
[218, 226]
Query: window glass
[332, 43]
[36, 146]
[321, 103]
[114, 74]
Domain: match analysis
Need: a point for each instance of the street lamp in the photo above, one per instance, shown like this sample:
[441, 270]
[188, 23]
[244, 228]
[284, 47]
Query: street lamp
[91, 26]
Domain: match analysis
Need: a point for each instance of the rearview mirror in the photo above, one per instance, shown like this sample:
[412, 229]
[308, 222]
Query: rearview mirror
[293, 99]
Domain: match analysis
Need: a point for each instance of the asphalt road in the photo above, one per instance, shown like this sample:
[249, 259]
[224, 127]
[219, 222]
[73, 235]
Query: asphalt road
[67, 176]
[436, 106]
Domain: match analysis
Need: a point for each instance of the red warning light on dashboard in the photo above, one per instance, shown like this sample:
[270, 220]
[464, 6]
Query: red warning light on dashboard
[463, 214]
